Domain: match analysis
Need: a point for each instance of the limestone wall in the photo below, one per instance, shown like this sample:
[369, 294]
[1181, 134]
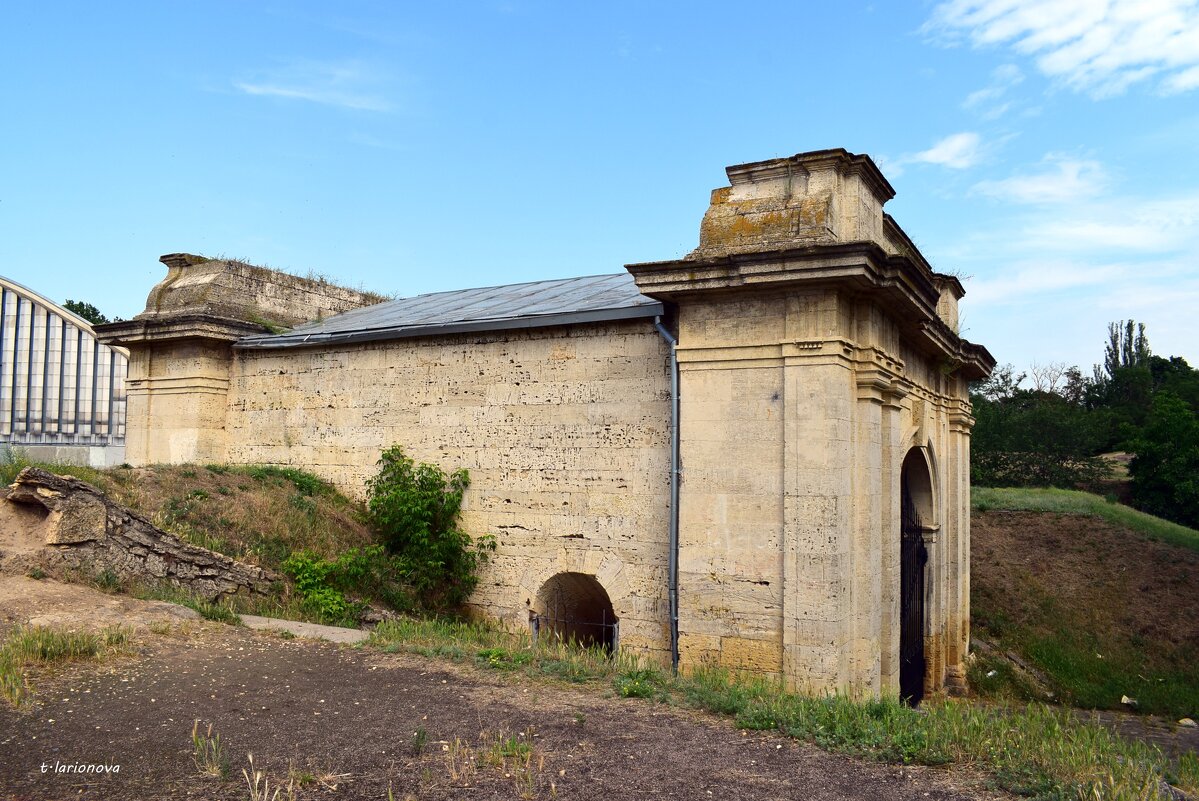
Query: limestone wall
[799, 408]
[565, 432]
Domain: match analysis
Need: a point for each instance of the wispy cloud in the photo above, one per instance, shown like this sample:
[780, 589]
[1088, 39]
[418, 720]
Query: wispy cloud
[1137, 225]
[1061, 180]
[991, 102]
[957, 151]
[344, 84]
[1044, 276]
[1098, 46]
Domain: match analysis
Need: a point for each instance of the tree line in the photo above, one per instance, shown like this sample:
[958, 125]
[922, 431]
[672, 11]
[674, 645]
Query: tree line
[1049, 425]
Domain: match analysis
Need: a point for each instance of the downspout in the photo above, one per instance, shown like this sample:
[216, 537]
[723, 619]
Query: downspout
[673, 558]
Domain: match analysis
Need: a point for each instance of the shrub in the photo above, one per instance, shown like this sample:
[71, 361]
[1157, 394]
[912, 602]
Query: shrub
[314, 579]
[415, 508]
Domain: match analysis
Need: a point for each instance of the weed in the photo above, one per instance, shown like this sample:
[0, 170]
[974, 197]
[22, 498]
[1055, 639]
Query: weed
[107, 580]
[304, 482]
[187, 473]
[420, 738]
[260, 786]
[502, 658]
[460, 762]
[207, 752]
[510, 747]
[36, 573]
[641, 683]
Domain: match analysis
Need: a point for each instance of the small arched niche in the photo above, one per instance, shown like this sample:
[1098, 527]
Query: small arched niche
[575, 608]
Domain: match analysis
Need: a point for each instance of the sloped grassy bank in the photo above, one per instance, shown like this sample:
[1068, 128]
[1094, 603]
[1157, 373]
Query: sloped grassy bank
[1100, 601]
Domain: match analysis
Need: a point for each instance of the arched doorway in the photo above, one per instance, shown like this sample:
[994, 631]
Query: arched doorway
[916, 506]
[574, 607]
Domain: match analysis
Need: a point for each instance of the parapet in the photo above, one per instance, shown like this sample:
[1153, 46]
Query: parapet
[234, 290]
[818, 197]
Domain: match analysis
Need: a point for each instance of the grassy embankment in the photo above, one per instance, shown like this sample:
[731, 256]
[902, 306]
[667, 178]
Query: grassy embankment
[253, 513]
[1098, 599]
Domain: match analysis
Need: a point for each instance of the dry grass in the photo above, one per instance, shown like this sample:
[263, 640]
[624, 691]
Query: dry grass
[256, 514]
[28, 648]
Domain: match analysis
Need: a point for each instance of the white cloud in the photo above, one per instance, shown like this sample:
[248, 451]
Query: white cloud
[957, 151]
[1041, 277]
[1129, 224]
[989, 101]
[1098, 46]
[345, 84]
[1065, 180]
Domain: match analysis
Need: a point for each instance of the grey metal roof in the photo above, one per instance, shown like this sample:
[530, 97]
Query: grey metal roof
[595, 298]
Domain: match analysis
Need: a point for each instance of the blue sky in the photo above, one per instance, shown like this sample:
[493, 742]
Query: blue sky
[1045, 151]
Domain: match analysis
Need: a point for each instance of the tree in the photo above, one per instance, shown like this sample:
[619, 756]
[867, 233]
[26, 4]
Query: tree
[1127, 346]
[1165, 470]
[88, 312]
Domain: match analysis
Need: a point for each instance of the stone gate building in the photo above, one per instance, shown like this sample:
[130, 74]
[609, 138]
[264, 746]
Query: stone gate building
[755, 456]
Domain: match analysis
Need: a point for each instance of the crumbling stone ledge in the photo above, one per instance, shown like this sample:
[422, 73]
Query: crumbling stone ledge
[84, 529]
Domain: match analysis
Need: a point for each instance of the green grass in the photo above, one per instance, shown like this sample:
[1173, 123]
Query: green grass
[209, 610]
[14, 460]
[27, 647]
[1030, 749]
[1087, 659]
[1073, 502]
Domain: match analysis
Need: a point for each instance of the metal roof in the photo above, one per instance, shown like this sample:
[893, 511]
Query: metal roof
[595, 298]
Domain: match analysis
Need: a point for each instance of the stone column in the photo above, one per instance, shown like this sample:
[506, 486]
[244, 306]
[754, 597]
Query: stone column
[178, 386]
[958, 507]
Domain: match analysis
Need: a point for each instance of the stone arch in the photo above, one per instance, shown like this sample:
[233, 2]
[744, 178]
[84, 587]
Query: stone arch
[575, 607]
[918, 476]
[917, 511]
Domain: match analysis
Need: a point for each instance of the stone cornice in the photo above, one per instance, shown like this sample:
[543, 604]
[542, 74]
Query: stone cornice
[909, 291]
[839, 158]
[151, 328]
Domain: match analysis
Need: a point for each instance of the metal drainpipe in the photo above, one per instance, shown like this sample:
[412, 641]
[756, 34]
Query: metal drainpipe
[673, 559]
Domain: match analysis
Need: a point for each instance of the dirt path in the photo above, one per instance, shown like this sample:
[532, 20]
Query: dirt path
[348, 717]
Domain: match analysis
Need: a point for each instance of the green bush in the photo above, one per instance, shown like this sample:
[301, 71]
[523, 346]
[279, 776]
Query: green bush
[315, 580]
[415, 508]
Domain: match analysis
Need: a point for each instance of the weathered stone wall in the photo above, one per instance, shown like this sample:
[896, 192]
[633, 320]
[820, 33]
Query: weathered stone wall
[239, 291]
[565, 432]
[799, 409]
[83, 529]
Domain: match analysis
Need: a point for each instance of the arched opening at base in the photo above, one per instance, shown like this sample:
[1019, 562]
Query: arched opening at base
[573, 607]
[915, 511]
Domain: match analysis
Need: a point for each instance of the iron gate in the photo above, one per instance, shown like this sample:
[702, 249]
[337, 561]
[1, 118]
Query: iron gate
[913, 558]
[602, 633]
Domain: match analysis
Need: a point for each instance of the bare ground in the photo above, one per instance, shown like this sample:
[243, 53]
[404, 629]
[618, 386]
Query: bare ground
[344, 719]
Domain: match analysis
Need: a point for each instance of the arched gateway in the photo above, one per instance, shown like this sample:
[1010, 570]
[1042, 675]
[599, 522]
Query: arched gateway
[916, 506]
